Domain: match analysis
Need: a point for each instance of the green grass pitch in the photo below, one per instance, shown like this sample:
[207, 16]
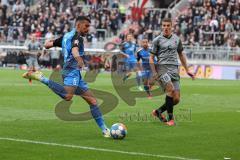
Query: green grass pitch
[207, 128]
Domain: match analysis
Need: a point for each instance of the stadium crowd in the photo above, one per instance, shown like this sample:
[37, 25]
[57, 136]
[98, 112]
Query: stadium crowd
[21, 20]
[48, 18]
[210, 16]
[204, 23]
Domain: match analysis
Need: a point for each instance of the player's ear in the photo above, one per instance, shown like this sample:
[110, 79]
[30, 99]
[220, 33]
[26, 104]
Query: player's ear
[78, 25]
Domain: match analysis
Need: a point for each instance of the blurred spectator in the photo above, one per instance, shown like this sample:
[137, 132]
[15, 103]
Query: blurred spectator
[49, 35]
[5, 32]
[21, 58]
[122, 11]
[1, 37]
[115, 4]
[18, 6]
[55, 55]
[3, 12]
[229, 26]
[44, 59]
[114, 22]
[32, 58]
[15, 34]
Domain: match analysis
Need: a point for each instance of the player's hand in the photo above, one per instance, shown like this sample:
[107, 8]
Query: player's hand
[127, 56]
[48, 44]
[80, 64]
[191, 75]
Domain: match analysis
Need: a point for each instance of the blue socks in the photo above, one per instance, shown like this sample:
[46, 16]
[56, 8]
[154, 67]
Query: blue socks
[97, 115]
[44, 80]
[59, 90]
[55, 87]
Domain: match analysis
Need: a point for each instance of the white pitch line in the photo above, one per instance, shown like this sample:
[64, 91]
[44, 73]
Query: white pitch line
[94, 149]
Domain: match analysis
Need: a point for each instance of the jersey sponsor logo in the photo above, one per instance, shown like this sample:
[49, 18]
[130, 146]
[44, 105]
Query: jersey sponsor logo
[76, 42]
[172, 46]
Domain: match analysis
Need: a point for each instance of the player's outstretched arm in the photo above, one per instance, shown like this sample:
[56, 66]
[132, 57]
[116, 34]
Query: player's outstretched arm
[54, 43]
[48, 44]
[124, 55]
[183, 60]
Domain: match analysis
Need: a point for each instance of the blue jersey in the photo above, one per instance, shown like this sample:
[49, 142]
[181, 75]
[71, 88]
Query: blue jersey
[144, 54]
[70, 40]
[71, 72]
[67, 42]
[129, 48]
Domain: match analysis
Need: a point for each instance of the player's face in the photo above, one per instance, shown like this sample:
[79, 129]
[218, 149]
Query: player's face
[83, 27]
[33, 38]
[129, 38]
[145, 43]
[167, 28]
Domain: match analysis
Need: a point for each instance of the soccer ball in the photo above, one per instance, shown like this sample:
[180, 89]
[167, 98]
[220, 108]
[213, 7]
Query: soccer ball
[118, 131]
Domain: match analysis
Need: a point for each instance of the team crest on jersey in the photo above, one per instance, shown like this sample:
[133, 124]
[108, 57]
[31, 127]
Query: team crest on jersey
[76, 42]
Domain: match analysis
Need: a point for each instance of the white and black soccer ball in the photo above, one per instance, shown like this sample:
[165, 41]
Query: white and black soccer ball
[118, 131]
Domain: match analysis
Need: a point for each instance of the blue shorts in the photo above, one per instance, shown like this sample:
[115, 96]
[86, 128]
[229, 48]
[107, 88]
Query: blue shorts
[146, 74]
[129, 66]
[73, 78]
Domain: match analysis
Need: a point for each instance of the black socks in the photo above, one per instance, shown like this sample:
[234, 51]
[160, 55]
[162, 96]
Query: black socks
[169, 106]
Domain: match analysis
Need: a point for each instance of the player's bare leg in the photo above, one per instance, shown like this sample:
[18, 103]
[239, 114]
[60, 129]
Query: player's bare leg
[147, 88]
[96, 113]
[126, 76]
[176, 97]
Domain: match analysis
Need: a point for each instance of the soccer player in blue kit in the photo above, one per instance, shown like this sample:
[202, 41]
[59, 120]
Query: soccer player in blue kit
[143, 54]
[72, 50]
[128, 49]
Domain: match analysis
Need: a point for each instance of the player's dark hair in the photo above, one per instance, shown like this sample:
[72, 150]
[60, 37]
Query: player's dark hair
[83, 18]
[167, 20]
[128, 34]
[145, 38]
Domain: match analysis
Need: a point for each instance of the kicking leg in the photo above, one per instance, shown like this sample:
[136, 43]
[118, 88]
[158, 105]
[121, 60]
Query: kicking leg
[65, 92]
